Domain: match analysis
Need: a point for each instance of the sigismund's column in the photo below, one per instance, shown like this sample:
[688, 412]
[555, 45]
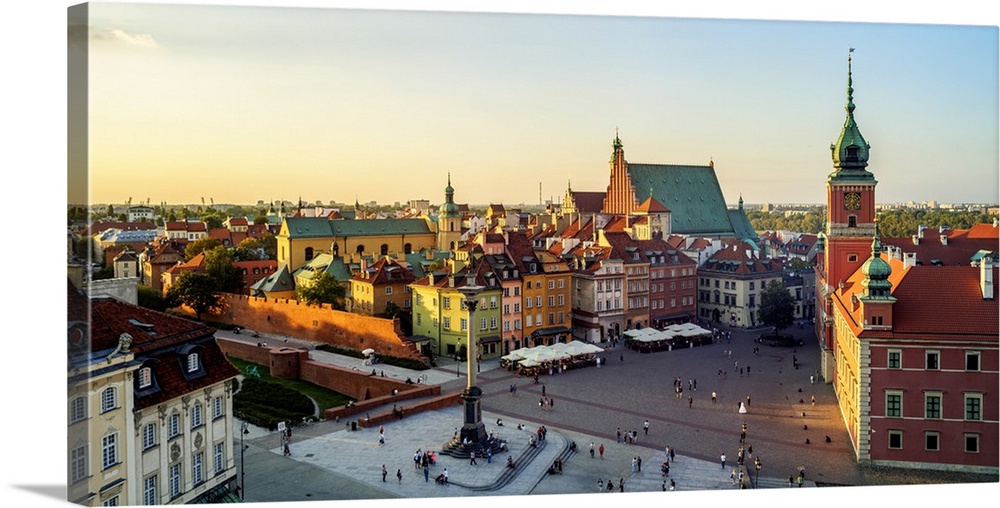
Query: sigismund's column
[473, 429]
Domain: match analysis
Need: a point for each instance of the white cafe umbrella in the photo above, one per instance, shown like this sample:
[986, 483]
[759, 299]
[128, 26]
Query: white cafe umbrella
[368, 352]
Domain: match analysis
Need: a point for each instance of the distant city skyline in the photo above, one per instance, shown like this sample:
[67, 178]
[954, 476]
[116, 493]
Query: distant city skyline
[239, 104]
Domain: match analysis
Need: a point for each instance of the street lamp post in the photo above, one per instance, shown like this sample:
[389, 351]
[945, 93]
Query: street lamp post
[458, 363]
[244, 429]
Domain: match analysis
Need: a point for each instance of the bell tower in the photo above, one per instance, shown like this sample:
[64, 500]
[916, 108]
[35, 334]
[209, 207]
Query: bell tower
[449, 221]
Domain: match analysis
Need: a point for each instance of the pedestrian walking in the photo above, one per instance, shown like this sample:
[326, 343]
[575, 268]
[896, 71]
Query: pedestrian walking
[671, 454]
[591, 449]
[748, 370]
[645, 427]
[638, 463]
[713, 397]
[621, 484]
[543, 390]
[600, 450]
[633, 464]
[723, 459]
[690, 401]
[813, 400]
[600, 485]
[664, 486]
[399, 476]
[618, 435]
[799, 481]
[384, 472]
[445, 473]
[732, 476]
[789, 480]
[427, 472]
[696, 384]
[666, 452]
[672, 485]
[812, 379]
[741, 371]
[489, 455]
[621, 358]
[748, 400]
[472, 458]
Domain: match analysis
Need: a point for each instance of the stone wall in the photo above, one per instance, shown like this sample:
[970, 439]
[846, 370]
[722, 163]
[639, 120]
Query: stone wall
[318, 323]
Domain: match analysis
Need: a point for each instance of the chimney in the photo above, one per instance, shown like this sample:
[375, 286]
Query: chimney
[430, 278]
[986, 276]
[944, 239]
[916, 239]
[909, 259]
[920, 230]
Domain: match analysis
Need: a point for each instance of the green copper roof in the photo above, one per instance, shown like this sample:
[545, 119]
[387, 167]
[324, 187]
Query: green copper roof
[850, 152]
[692, 194]
[449, 210]
[308, 227]
[876, 271]
[741, 225]
[377, 227]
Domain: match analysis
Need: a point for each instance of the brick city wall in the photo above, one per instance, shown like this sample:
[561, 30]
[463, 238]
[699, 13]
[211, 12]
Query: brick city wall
[318, 323]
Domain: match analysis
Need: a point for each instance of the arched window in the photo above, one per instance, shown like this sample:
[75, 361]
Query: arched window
[192, 362]
[407, 248]
[383, 249]
[109, 399]
[77, 409]
[360, 249]
[309, 253]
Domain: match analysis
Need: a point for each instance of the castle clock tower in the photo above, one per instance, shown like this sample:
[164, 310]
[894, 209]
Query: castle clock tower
[850, 214]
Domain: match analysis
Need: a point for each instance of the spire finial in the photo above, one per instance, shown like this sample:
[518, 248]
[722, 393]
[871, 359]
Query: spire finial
[850, 84]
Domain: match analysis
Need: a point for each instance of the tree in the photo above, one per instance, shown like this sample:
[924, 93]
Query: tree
[268, 243]
[212, 221]
[201, 245]
[405, 321]
[152, 299]
[322, 289]
[219, 265]
[776, 306]
[196, 290]
[260, 219]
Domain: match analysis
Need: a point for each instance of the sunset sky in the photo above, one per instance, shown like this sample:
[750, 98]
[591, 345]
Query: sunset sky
[239, 104]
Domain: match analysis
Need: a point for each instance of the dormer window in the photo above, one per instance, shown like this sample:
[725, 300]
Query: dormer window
[145, 377]
[192, 362]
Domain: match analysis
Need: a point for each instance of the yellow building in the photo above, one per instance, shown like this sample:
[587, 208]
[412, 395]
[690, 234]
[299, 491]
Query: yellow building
[374, 287]
[149, 405]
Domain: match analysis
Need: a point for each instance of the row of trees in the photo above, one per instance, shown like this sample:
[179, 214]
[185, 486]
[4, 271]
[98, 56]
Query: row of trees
[892, 223]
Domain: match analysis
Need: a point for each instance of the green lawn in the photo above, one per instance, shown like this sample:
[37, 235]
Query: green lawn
[324, 397]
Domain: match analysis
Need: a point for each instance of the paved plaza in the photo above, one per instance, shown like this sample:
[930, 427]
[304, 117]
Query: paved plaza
[329, 461]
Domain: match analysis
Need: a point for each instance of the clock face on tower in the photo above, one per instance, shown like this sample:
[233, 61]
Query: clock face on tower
[852, 201]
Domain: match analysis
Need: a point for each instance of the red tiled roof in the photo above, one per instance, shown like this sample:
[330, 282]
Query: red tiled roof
[100, 227]
[238, 221]
[740, 258]
[962, 244]
[944, 300]
[651, 205]
[588, 202]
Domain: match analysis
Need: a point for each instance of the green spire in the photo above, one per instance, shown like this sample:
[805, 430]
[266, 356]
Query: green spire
[876, 271]
[617, 144]
[851, 151]
[449, 209]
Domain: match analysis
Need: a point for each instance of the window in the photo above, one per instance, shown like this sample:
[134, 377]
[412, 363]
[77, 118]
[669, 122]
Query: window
[527, 302]
[538, 301]
[175, 480]
[482, 324]
[562, 283]
[852, 221]
[974, 406]
[197, 472]
[77, 409]
[192, 362]
[78, 463]
[552, 284]
[109, 450]
[538, 284]
[561, 300]
[419, 316]
[851, 258]
[148, 436]
[111, 502]
[517, 308]
[895, 439]
[506, 309]
[552, 318]
[552, 301]
[406, 304]
[174, 425]
[196, 416]
[149, 490]
[932, 405]
[447, 323]
[109, 399]
[932, 441]
[528, 320]
[972, 360]
[493, 323]
[895, 358]
[464, 324]
[145, 377]
[420, 299]
[894, 404]
[388, 290]
[218, 407]
[933, 360]
[972, 443]
[219, 458]
[751, 285]
[493, 302]
[446, 302]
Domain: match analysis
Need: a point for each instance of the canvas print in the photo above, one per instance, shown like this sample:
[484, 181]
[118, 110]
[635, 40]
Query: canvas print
[328, 254]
